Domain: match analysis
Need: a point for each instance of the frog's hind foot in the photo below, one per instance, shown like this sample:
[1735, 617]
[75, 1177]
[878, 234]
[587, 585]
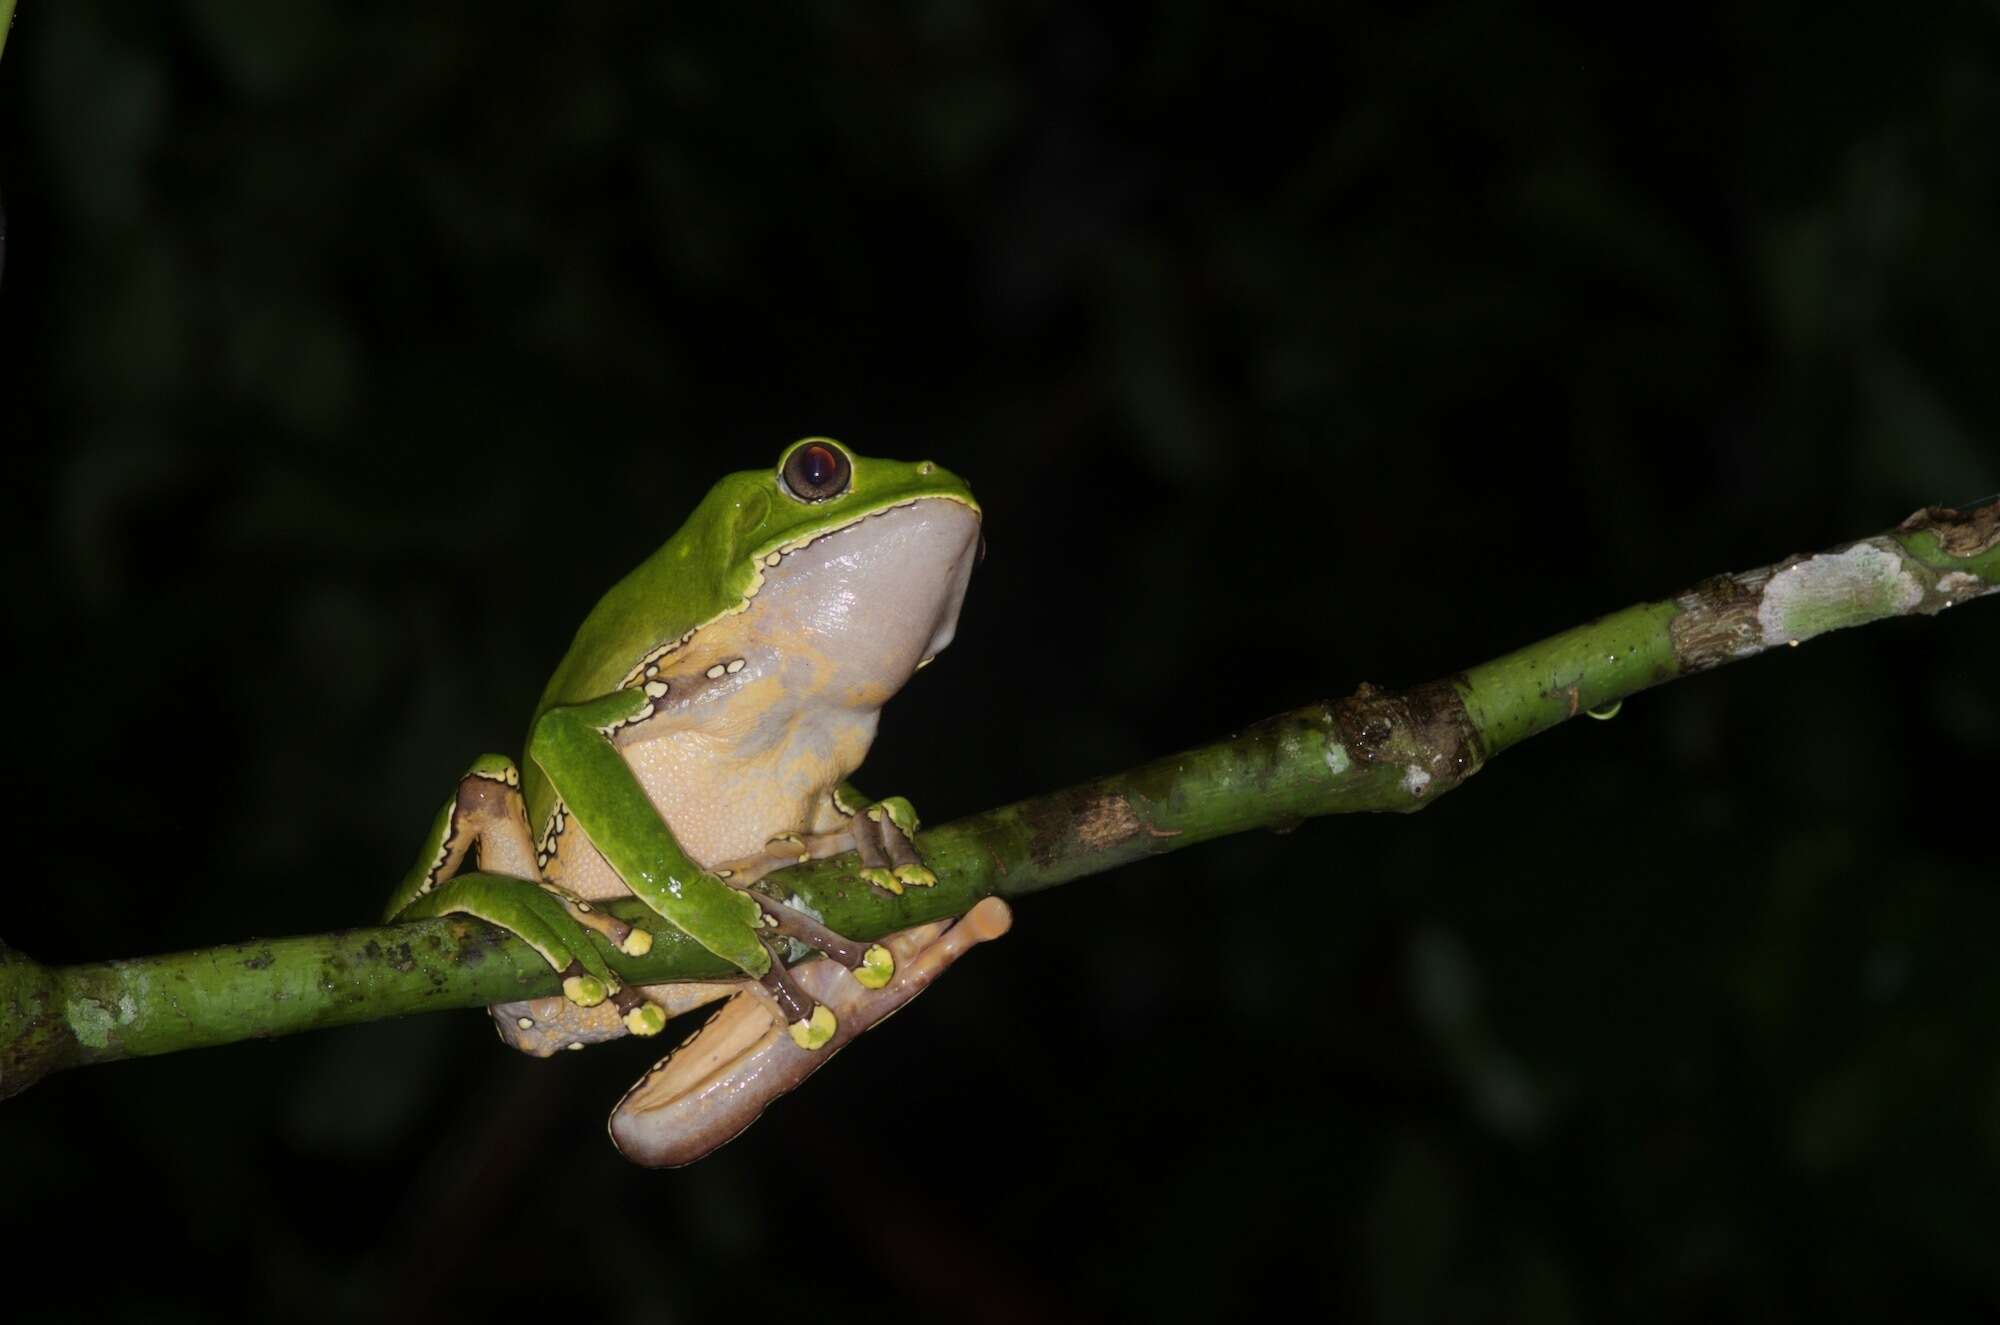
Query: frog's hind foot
[717, 1082]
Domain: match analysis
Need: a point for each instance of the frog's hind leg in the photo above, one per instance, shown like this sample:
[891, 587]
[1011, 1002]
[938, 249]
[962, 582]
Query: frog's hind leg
[485, 824]
[718, 1081]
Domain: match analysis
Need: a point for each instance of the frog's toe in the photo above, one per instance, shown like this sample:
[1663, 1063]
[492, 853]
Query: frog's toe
[871, 963]
[637, 943]
[789, 847]
[898, 811]
[915, 875]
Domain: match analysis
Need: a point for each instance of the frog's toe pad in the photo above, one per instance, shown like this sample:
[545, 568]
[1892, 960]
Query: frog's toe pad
[878, 967]
[637, 943]
[915, 876]
[586, 991]
[814, 1031]
[646, 1019]
[882, 877]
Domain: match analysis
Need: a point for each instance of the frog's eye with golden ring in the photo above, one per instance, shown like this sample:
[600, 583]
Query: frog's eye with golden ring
[815, 471]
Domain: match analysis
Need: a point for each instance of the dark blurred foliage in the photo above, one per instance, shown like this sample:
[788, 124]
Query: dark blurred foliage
[346, 355]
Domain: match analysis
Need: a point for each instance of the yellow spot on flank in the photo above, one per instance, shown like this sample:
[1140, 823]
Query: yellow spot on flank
[735, 666]
[525, 1023]
[714, 671]
[656, 688]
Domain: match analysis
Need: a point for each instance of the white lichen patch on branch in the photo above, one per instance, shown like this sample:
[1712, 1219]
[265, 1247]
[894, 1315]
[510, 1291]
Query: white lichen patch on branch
[1863, 583]
[89, 1021]
[1415, 780]
[1337, 761]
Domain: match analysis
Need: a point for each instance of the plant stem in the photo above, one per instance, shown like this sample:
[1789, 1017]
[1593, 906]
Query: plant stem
[1375, 750]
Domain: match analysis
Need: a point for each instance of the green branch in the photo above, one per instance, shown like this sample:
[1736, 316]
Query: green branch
[1375, 750]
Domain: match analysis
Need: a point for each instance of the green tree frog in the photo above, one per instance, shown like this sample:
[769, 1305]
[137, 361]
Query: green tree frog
[697, 735]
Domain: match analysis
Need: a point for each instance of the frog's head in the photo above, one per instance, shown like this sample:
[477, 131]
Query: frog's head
[872, 556]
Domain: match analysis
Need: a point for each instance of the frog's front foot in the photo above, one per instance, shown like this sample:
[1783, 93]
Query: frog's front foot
[541, 916]
[723, 1077]
[885, 839]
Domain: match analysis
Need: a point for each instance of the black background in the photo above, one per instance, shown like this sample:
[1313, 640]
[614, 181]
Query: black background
[347, 354]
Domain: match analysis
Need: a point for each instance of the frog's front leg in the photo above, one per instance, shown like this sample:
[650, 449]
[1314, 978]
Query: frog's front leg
[883, 833]
[574, 746]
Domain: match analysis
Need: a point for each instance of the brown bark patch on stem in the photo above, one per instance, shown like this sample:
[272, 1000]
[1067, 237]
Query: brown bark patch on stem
[1717, 622]
[1959, 533]
[1425, 731]
[1106, 822]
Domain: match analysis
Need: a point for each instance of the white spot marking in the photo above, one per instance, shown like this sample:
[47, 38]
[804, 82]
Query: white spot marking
[656, 688]
[525, 1023]
[735, 666]
[1415, 780]
[714, 671]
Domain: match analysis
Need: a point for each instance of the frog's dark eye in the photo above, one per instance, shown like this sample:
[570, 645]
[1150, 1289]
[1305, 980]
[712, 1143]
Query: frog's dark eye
[817, 471]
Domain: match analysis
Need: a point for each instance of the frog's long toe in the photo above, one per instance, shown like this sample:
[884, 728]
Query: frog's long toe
[875, 862]
[718, 1082]
[811, 1022]
[639, 1014]
[871, 963]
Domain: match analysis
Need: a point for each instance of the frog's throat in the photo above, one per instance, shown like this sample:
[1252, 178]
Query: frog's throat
[771, 556]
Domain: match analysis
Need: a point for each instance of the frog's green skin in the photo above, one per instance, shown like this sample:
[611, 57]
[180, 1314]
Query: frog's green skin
[697, 734]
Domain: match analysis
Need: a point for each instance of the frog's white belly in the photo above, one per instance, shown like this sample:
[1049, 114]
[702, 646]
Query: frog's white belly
[724, 802]
[768, 709]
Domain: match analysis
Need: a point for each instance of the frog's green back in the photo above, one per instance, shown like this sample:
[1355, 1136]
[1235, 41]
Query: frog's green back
[711, 567]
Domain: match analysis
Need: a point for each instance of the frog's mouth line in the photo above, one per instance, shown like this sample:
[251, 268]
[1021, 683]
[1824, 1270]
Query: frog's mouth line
[772, 557]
